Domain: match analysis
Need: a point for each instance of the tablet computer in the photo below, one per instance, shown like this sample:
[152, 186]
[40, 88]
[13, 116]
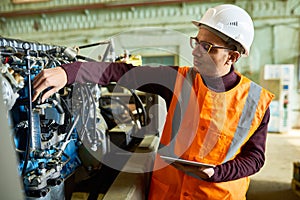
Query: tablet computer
[186, 162]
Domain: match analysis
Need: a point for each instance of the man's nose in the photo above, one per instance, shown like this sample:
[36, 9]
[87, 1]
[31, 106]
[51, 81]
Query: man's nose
[197, 52]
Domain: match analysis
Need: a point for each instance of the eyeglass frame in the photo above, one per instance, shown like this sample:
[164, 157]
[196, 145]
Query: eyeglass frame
[211, 46]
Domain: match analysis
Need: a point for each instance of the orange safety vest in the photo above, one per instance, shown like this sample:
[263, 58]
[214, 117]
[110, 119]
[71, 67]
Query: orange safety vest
[209, 127]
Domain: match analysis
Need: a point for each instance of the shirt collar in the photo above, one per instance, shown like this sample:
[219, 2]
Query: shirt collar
[224, 83]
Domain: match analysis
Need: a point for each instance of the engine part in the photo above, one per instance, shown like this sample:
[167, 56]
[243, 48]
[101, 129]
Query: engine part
[67, 131]
[46, 134]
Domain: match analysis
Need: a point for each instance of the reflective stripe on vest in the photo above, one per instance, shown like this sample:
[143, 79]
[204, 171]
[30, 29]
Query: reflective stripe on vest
[248, 114]
[183, 95]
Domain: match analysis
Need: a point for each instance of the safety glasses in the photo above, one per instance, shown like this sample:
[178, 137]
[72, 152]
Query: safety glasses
[205, 46]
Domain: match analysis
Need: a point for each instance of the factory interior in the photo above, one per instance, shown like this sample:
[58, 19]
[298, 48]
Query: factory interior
[59, 150]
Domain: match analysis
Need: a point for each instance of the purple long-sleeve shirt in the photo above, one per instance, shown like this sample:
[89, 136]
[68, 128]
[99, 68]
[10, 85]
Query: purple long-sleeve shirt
[161, 81]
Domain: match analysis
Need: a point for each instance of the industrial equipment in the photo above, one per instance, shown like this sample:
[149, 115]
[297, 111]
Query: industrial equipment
[68, 131]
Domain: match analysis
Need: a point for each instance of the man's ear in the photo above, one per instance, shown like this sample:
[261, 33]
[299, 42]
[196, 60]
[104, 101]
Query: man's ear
[233, 57]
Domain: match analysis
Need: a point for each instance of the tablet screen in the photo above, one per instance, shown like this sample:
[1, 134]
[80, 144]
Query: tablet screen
[187, 162]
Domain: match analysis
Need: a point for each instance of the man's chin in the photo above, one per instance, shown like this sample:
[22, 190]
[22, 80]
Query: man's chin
[200, 70]
[197, 64]
[204, 72]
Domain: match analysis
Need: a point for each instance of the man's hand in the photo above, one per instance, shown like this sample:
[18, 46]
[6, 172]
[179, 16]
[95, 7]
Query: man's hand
[53, 78]
[202, 172]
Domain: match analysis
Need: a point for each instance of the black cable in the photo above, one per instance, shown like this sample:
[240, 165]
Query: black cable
[139, 104]
[66, 107]
[85, 58]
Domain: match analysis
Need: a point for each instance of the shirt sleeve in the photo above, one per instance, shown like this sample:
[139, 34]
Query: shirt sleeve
[156, 80]
[95, 72]
[249, 161]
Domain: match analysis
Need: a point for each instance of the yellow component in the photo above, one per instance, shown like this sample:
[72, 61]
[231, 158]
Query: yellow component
[135, 60]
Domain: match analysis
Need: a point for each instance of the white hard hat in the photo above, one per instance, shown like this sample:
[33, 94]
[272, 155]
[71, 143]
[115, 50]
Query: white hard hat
[232, 21]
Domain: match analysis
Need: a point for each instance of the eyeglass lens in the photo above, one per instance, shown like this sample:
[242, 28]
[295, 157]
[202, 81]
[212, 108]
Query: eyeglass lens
[204, 46]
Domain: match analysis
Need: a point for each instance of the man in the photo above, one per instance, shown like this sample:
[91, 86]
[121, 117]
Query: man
[215, 115]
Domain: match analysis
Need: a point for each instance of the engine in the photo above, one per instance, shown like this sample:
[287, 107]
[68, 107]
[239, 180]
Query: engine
[52, 139]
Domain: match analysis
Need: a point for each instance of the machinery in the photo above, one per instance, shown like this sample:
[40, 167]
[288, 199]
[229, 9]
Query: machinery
[69, 130]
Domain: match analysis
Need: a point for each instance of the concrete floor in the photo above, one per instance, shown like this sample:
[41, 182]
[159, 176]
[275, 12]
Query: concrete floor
[273, 182]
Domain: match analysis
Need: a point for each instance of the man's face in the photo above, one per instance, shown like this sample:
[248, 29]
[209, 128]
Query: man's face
[215, 63]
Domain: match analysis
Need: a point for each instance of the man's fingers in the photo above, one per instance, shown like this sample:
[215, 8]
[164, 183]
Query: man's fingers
[38, 79]
[40, 83]
[38, 88]
[35, 96]
[48, 94]
[54, 78]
